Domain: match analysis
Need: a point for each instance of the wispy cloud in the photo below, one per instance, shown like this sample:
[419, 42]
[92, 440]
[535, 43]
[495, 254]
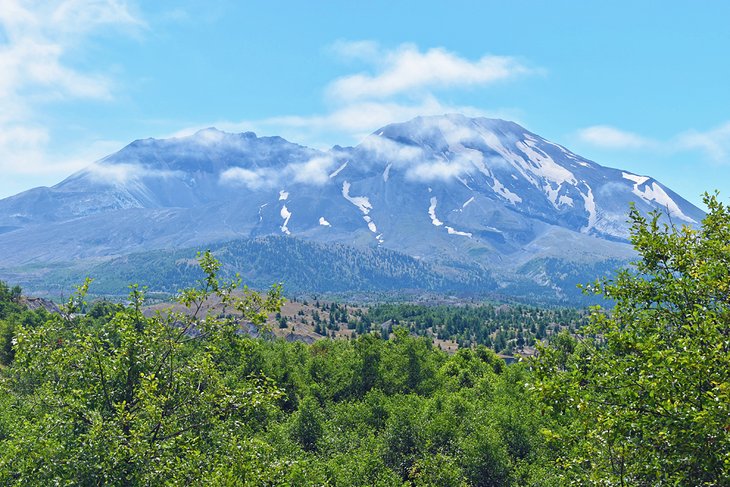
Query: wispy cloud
[439, 170]
[313, 171]
[356, 50]
[39, 39]
[613, 138]
[715, 143]
[407, 69]
[125, 172]
[397, 84]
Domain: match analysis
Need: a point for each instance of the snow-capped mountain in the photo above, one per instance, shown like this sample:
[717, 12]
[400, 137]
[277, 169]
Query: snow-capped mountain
[450, 189]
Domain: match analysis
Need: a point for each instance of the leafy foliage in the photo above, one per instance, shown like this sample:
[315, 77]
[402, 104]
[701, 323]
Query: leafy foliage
[643, 397]
[123, 399]
[116, 397]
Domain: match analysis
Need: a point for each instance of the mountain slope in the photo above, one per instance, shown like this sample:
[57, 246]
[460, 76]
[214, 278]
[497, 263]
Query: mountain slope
[452, 191]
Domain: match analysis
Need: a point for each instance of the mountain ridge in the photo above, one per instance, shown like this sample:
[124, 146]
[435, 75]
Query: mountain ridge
[467, 191]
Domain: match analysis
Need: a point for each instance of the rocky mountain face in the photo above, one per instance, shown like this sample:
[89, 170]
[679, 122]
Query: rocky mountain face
[451, 191]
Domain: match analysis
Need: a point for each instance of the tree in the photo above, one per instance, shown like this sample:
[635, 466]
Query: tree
[307, 426]
[642, 397]
[133, 400]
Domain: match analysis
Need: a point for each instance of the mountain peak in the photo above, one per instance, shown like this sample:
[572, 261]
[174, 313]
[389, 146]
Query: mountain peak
[450, 129]
[209, 134]
[449, 188]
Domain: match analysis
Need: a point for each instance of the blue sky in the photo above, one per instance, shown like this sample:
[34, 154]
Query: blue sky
[642, 86]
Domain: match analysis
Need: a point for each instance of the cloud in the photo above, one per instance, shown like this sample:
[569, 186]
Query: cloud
[612, 138]
[714, 143]
[254, 179]
[123, 173]
[346, 124]
[313, 171]
[361, 118]
[40, 40]
[391, 150]
[407, 69]
[356, 50]
[402, 86]
[439, 170]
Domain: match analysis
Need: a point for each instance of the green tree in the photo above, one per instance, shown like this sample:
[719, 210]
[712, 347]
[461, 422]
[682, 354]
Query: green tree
[132, 400]
[307, 427]
[643, 396]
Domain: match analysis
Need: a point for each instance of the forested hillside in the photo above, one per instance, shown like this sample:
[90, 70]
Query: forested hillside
[302, 266]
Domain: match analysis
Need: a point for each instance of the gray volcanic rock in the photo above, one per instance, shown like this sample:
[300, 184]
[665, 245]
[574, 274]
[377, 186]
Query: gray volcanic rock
[451, 190]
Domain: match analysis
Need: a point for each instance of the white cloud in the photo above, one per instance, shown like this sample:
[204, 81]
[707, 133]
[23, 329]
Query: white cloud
[438, 170]
[123, 173]
[391, 150]
[715, 143]
[400, 89]
[407, 69]
[356, 50]
[314, 171]
[347, 124]
[254, 179]
[39, 39]
[613, 138]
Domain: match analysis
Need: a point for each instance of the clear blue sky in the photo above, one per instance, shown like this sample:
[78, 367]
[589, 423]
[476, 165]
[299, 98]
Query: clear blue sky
[643, 86]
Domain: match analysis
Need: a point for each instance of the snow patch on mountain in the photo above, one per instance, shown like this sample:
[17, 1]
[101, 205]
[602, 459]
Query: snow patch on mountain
[324, 222]
[655, 193]
[547, 167]
[362, 202]
[496, 185]
[457, 232]
[501, 190]
[590, 206]
[565, 200]
[386, 173]
[462, 181]
[539, 168]
[467, 202]
[286, 215]
[635, 178]
[283, 195]
[432, 213]
[338, 170]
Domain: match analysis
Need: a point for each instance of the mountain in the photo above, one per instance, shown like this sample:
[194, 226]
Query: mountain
[453, 192]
